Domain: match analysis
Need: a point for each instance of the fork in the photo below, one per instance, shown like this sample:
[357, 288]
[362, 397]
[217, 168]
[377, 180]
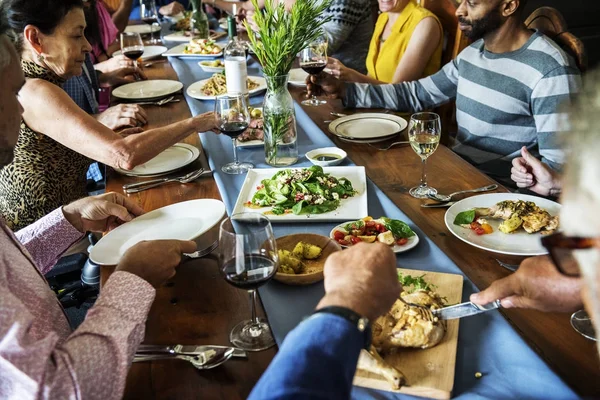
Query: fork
[424, 311]
[388, 147]
[170, 99]
[510, 267]
[204, 252]
[140, 186]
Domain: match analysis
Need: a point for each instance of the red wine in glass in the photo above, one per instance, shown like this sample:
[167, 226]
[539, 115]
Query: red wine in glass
[150, 20]
[233, 129]
[313, 68]
[133, 53]
[258, 270]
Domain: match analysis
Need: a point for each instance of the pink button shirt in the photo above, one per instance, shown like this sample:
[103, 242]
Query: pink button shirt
[40, 356]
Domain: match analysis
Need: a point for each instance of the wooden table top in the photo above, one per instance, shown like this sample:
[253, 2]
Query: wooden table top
[397, 170]
[199, 307]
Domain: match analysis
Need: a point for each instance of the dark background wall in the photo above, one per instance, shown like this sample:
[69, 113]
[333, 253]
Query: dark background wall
[583, 18]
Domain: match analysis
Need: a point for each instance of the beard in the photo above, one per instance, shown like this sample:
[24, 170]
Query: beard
[6, 156]
[481, 27]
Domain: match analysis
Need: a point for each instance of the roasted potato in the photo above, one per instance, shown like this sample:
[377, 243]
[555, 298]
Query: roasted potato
[307, 251]
[511, 224]
[289, 259]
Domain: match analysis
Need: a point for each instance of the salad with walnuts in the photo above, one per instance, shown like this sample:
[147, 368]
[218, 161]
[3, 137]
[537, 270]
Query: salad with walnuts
[302, 191]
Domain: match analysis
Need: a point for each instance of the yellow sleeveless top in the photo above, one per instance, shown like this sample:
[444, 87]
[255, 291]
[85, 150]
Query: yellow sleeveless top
[383, 59]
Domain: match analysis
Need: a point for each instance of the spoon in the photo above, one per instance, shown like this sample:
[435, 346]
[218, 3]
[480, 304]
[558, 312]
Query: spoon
[444, 198]
[198, 361]
[327, 158]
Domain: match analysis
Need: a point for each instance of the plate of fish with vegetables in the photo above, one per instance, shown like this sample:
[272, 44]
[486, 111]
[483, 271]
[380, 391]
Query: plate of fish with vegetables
[305, 194]
[395, 233]
[504, 223]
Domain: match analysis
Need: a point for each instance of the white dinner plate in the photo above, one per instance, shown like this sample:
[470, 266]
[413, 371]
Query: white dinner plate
[185, 36]
[367, 126]
[175, 157]
[297, 77]
[351, 208]
[143, 29]
[177, 51]
[147, 90]
[149, 52]
[412, 241]
[187, 220]
[195, 89]
[519, 243]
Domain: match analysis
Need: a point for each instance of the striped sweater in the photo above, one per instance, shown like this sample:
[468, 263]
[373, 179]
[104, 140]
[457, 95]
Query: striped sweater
[503, 102]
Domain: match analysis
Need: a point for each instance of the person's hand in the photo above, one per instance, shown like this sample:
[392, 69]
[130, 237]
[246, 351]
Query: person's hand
[529, 172]
[123, 115]
[249, 16]
[155, 261]
[205, 122]
[337, 69]
[101, 213]
[121, 76]
[173, 8]
[113, 64]
[537, 285]
[326, 84]
[363, 279]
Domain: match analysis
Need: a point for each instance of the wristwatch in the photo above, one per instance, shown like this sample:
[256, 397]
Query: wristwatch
[362, 324]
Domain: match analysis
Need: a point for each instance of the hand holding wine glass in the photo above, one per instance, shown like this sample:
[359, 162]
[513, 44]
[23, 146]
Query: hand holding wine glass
[232, 118]
[424, 133]
[313, 60]
[248, 259]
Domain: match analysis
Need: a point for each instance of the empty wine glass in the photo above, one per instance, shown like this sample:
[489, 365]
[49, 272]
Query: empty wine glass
[248, 259]
[232, 119]
[313, 60]
[149, 15]
[132, 47]
[424, 133]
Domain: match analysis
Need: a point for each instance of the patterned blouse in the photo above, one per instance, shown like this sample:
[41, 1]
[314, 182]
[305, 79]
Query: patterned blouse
[44, 174]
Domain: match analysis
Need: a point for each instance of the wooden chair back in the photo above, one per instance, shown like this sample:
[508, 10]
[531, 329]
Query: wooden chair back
[551, 23]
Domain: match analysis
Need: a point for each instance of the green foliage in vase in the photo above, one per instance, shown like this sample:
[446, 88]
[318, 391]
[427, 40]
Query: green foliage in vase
[283, 34]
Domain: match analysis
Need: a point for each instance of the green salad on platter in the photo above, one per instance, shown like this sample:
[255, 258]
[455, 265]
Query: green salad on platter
[302, 191]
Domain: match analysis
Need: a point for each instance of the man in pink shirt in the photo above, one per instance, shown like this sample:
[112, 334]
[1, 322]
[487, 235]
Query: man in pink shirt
[40, 356]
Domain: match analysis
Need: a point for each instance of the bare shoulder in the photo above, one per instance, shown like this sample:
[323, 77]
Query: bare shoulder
[429, 27]
[41, 90]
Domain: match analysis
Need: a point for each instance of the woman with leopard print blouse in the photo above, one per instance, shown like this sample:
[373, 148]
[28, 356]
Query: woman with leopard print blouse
[58, 140]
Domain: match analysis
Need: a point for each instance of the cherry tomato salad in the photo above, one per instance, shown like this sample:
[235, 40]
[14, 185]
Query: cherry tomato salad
[385, 230]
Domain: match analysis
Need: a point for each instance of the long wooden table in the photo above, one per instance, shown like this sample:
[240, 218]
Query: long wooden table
[199, 307]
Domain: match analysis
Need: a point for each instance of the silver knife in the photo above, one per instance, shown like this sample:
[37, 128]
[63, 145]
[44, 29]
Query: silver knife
[464, 310]
[438, 205]
[185, 349]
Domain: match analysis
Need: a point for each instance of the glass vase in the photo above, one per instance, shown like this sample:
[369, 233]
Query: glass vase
[198, 21]
[279, 117]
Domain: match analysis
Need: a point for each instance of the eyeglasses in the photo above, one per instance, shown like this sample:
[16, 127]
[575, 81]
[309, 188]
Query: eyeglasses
[560, 248]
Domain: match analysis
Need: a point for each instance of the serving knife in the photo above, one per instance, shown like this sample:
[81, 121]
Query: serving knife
[179, 349]
[465, 310]
[438, 205]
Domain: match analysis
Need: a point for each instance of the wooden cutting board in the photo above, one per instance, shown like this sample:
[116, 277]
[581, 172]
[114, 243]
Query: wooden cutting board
[430, 372]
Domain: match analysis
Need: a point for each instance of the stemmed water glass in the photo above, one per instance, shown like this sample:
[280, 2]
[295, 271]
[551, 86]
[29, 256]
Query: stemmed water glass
[424, 133]
[132, 47]
[149, 15]
[232, 119]
[313, 60]
[248, 259]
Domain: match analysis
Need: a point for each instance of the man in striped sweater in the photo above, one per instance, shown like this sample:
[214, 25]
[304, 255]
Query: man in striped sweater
[510, 88]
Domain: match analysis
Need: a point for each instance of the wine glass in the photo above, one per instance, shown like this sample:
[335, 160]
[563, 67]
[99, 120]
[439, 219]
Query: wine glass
[248, 259]
[149, 15]
[424, 136]
[132, 47]
[232, 119]
[313, 60]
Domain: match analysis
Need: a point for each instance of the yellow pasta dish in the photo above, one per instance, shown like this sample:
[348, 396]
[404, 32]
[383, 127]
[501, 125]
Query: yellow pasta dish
[217, 85]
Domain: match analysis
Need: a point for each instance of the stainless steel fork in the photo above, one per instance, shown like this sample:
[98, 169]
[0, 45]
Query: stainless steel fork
[388, 147]
[510, 267]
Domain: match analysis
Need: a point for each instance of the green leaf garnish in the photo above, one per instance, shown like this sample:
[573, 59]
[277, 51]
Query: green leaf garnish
[465, 217]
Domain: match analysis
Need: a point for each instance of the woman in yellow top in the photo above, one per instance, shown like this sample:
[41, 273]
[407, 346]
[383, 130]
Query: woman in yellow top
[406, 46]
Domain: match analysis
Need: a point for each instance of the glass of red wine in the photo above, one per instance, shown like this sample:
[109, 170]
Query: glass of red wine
[313, 60]
[232, 119]
[149, 15]
[248, 259]
[132, 47]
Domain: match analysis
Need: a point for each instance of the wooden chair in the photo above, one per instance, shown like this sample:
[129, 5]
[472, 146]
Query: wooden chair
[551, 23]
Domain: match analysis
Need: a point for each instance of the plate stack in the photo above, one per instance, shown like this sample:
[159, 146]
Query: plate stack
[367, 127]
[151, 90]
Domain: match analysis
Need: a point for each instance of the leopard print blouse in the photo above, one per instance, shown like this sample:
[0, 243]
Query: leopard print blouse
[44, 174]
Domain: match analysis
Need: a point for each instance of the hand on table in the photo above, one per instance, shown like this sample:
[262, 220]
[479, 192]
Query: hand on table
[101, 213]
[173, 8]
[337, 69]
[113, 64]
[537, 285]
[121, 76]
[529, 172]
[326, 84]
[155, 261]
[123, 115]
[363, 278]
